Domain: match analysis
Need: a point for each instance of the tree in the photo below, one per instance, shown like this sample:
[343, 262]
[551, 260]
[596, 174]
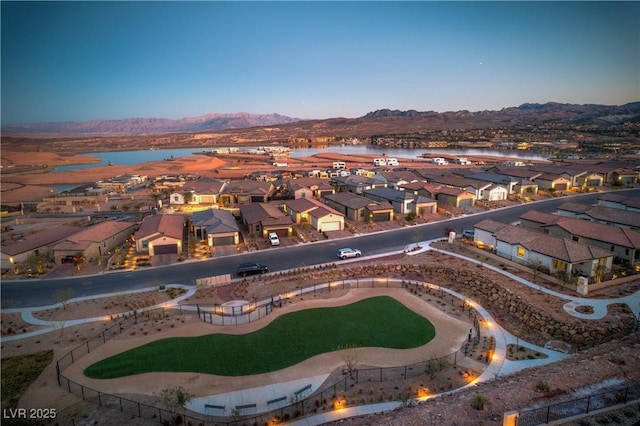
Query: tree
[174, 400]
[535, 265]
[435, 365]
[600, 270]
[350, 356]
[62, 295]
[78, 261]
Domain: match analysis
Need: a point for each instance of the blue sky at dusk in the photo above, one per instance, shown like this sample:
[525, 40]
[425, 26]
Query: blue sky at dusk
[79, 61]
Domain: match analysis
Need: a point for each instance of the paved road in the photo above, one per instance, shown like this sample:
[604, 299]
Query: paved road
[32, 293]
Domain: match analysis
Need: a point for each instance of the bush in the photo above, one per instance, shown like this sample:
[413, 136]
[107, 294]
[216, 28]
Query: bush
[479, 401]
[542, 386]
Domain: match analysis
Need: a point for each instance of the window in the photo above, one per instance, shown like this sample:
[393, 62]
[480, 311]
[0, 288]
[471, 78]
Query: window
[559, 265]
[575, 238]
[520, 252]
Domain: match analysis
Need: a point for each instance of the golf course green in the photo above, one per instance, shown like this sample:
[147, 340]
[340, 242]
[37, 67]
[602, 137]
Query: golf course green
[374, 322]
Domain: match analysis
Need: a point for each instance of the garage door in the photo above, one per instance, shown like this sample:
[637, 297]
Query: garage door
[223, 241]
[331, 226]
[561, 187]
[280, 232]
[381, 217]
[466, 203]
[165, 249]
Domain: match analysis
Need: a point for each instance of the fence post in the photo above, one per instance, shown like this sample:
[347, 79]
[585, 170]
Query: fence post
[58, 372]
[588, 402]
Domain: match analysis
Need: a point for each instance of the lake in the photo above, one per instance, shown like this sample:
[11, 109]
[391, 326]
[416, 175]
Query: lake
[141, 156]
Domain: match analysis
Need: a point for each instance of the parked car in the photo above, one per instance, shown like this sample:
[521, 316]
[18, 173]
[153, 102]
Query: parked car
[245, 269]
[469, 233]
[345, 253]
[273, 239]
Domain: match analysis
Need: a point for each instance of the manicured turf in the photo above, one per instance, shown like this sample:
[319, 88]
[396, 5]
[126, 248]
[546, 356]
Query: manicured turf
[292, 338]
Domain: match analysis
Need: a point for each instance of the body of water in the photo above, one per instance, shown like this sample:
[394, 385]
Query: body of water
[121, 158]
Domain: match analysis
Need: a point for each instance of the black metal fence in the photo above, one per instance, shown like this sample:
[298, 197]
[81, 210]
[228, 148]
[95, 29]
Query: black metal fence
[326, 398]
[579, 406]
[221, 314]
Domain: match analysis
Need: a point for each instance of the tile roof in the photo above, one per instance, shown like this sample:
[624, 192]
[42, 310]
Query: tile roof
[558, 248]
[490, 225]
[613, 215]
[389, 194]
[249, 187]
[350, 200]
[587, 229]
[170, 225]
[541, 217]
[623, 237]
[565, 249]
[215, 221]
[93, 234]
[205, 186]
[261, 212]
[39, 239]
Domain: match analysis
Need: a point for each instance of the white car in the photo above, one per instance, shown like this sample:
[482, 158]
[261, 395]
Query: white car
[273, 239]
[345, 253]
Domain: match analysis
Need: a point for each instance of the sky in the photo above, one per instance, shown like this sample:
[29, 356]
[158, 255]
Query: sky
[81, 61]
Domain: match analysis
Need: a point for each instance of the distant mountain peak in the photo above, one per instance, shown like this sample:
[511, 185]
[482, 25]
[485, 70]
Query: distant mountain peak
[139, 125]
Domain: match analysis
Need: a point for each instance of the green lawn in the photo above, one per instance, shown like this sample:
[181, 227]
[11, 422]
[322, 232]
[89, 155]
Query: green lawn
[292, 338]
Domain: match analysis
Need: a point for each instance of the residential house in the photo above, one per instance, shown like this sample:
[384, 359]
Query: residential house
[160, 234]
[262, 218]
[75, 199]
[624, 242]
[202, 191]
[308, 188]
[399, 200]
[444, 195]
[483, 190]
[355, 184]
[553, 182]
[507, 182]
[358, 208]
[619, 201]
[532, 248]
[241, 192]
[601, 214]
[15, 253]
[395, 179]
[93, 241]
[524, 176]
[320, 216]
[218, 227]
[121, 183]
[624, 176]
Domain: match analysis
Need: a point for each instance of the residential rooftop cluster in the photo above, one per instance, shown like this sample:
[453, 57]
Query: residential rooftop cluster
[170, 213]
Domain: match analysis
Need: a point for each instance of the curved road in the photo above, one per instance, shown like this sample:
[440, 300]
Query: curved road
[33, 293]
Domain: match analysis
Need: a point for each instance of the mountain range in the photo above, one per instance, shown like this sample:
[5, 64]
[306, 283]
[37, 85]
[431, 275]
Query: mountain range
[141, 126]
[376, 122]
